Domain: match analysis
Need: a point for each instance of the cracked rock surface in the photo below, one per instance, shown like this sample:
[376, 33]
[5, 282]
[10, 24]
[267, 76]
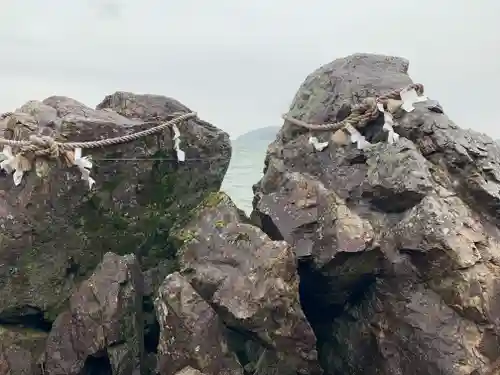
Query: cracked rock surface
[55, 232]
[399, 243]
[251, 283]
[104, 319]
[380, 261]
[191, 333]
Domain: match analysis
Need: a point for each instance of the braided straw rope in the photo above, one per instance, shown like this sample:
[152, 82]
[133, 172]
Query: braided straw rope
[361, 114]
[47, 146]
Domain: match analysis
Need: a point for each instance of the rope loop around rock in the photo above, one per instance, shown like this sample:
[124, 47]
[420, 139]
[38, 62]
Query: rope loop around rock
[47, 146]
[361, 114]
[43, 146]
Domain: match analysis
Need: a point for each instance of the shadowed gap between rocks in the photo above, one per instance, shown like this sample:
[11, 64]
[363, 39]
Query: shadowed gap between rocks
[238, 342]
[26, 317]
[314, 288]
[266, 224]
[151, 326]
[98, 364]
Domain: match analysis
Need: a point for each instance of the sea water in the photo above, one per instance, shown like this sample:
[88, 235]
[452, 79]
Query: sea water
[245, 169]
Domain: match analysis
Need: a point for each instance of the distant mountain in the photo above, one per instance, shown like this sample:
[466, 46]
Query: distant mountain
[267, 134]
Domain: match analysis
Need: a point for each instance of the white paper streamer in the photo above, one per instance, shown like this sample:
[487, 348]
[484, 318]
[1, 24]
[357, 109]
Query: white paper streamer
[409, 97]
[84, 164]
[181, 155]
[10, 165]
[392, 136]
[357, 137]
[318, 146]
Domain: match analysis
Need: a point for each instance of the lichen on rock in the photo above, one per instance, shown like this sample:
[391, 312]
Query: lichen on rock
[382, 260]
[191, 333]
[104, 320]
[399, 242]
[252, 285]
[55, 232]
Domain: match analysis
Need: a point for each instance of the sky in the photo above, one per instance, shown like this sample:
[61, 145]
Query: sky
[239, 63]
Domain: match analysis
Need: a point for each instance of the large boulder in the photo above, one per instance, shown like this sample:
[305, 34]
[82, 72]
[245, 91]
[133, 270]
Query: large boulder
[20, 349]
[250, 282]
[15, 360]
[55, 231]
[191, 333]
[399, 244]
[103, 325]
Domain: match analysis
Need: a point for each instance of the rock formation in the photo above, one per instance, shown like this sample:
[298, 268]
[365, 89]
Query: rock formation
[153, 271]
[382, 260]
[398, 243]
[251, 283]
[55, 232]
[103, 322]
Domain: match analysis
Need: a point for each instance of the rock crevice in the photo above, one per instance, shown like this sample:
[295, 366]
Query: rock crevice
[380, 260]
[404, 235]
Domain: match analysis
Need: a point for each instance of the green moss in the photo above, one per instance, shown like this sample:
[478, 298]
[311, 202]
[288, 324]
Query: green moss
[214, 199]
[239, 237]
[27, 338]
[108, 220]
[168, 202]
[23, 333]
[43, 274]
[186, 236]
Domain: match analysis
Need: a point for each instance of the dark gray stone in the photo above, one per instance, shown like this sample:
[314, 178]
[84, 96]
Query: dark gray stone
[252, 284]
[403, 277]
[55, 232]
[104, 319]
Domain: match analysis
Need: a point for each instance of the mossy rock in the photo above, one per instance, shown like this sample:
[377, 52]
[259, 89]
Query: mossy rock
[29, 339]
[55, 231]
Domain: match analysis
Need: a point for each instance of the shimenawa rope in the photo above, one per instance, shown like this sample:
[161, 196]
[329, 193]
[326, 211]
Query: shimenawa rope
[47, 146]
[361, 114]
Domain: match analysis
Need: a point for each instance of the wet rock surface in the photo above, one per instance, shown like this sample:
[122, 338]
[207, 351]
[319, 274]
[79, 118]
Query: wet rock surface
[55, 232]
[103, 324]
[191, 332]
[398, 243]
[20, 349]
[380, 261]
[252, 284]
[151, 272]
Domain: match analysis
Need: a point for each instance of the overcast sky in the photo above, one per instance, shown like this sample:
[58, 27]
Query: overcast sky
[238, 63]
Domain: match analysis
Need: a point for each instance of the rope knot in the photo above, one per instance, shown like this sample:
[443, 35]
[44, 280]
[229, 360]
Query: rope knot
[45, 146]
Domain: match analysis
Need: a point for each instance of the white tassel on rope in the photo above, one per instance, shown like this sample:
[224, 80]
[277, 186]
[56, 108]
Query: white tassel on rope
[357, 137]
[84, 164]
[409, 96]
[10, 164]
[318, 146]
[181, 155]
[392, 136]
